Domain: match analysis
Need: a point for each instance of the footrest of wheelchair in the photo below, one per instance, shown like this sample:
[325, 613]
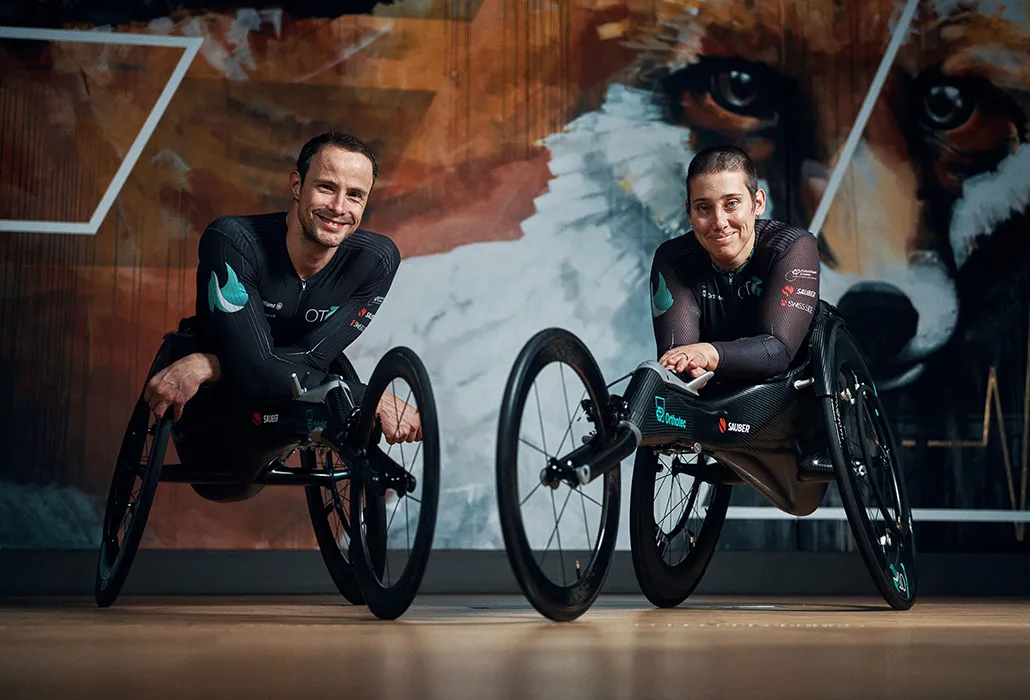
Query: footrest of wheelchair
[817, 468]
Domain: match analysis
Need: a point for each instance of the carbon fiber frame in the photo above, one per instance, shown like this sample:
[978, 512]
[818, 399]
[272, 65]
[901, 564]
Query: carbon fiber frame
[761, 431]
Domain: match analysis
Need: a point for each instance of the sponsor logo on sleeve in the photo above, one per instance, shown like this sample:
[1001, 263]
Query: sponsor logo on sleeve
[800, 274]
[661, 300]
[229, 298]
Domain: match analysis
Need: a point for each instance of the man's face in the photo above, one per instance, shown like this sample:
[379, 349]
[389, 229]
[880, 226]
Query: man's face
[332, 198]
[723, 214]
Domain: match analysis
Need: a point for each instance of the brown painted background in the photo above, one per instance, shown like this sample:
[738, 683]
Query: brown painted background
[455, 97]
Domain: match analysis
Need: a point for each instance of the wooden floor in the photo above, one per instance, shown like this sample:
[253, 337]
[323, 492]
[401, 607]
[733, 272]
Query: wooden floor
[498, 647]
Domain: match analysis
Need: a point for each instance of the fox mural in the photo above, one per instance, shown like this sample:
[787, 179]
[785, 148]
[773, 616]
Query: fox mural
[533, 158]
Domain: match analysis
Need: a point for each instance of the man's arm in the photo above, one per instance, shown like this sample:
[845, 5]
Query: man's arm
[674, 311]
[229, 306]
[785, 315]
[325, 343]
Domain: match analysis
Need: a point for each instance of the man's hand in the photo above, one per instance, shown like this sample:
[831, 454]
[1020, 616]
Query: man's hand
[696, 359]
[179, 382]
[401, 422]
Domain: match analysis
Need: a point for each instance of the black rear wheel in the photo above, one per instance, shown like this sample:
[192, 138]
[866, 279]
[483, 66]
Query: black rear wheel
[131, 495]
[869, 478]
[395, 484]
[675, 521]
[329, 508]
[559, 535]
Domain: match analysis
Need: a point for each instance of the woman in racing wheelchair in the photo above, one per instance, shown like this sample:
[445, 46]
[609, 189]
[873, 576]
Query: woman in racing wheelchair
[738, 300]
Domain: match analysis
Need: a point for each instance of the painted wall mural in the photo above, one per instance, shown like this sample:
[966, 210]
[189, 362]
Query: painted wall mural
[532, 157]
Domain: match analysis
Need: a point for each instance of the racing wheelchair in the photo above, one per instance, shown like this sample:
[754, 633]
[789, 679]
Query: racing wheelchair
[349, 473]
[787, 437]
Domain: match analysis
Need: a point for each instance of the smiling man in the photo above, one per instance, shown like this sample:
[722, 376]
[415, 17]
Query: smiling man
[280, 294]
[738, 294]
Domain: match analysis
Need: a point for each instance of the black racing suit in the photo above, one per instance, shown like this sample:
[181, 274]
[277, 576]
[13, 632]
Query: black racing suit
[757, 316]
[264, 324]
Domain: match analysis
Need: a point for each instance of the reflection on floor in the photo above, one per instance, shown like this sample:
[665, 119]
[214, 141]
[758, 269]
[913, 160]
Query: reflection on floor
[498, 647]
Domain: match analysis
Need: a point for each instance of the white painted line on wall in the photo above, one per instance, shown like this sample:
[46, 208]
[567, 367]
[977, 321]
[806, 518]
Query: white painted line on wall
[190, 46]
[897, 39]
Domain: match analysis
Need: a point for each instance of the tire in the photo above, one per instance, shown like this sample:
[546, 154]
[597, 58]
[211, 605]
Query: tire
[556, 602]
[115, 560]
[387, 598]
[666, 584]
[325, 502]
[866, 483]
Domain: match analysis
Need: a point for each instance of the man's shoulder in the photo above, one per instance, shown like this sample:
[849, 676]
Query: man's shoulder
[779, 235]
[247, 227]
[377, 244]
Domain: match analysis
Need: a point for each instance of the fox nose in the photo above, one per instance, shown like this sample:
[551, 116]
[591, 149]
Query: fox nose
[880, 317]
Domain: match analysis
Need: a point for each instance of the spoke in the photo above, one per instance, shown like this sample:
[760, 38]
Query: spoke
[523, 501]
[695, 489]
[565, 397]
[668, 512]
[417, 450]
[589, 498]
[396, 506]
[540, 415]
[586, 524]
[547, 548]
[667, 502]
[561, 557]
[527, 442]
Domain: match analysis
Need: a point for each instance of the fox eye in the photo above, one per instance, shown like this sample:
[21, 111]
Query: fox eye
[947, 105]
[721, 88]
[962, 125]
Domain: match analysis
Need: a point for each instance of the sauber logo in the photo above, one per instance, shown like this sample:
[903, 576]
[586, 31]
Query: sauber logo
[259, 419]
[726, 426]
[790, 289]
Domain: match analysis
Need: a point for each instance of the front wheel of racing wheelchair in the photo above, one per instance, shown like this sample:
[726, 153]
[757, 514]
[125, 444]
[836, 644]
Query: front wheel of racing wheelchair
[366, 485]
[673, 536]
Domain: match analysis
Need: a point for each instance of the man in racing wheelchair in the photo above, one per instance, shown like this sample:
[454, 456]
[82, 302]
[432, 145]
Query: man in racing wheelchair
[279, 295]
[258, 374]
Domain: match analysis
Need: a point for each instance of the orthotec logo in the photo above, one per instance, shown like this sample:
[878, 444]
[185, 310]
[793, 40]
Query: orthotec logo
[228, 299]
[665, 417]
